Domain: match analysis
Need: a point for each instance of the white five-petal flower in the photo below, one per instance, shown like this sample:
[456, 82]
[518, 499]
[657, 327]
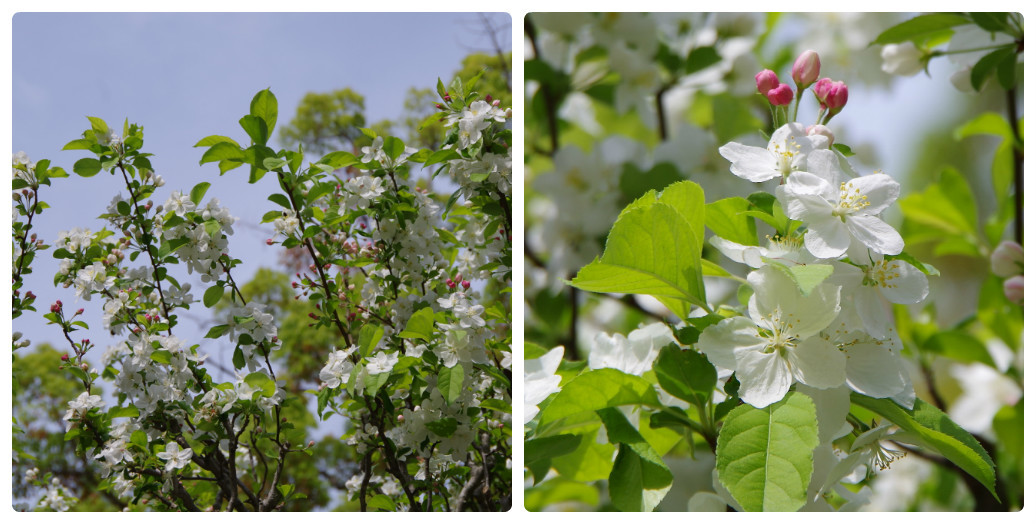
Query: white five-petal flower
[175, 457]
[785, 154]
[778, 344]
[838, 209]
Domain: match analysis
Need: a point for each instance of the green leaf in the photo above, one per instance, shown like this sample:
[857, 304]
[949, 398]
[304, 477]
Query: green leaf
[639, 479]
[212, 140]
[451, 383]
[370, 335]
[139, 438]
[87, 167]
[596, 390]
[266, 385]
[685, 374]
[765, 456]
[992, 22]
[806, 276]
[212, 227]
[443, 427]
[654, 248]
[222, 151]
[726, 218]
[938, 433]
[198, 192]
[264, 106]
[989, 63]
[845, 150]
[217, 331]
[440, 156]
[393, 147]
[256, 129]
[80, 143]
[927, 269]
[919, 27]
[162, 356]
[546, 448]
[419, 325]
[212, 295]
[959, 345]
[128, 411]
[339, 159]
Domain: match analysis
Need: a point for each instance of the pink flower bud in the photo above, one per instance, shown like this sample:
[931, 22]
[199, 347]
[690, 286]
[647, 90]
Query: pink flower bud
[806, 68]
[766, 80]
[399, 418]
[781, 95]
[79, 311]
[269, 241]
[837, 96]
[1006, 259]
[64, 357]
[1014, 289]
[446, 97]
[821, 130]
[821, 90]
[489, 99]
[466, 284]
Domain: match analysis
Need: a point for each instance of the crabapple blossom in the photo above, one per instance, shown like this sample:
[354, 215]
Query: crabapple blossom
[785, 153]
[778, 344]
[765, 81]
[174, 457]
[806, 69]
[633, 355]
[838, 210]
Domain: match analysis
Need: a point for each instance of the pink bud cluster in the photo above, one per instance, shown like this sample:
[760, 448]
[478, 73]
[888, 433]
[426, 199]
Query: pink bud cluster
[805, 72]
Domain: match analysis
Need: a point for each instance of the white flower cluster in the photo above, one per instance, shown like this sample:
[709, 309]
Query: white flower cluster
[203, 248]
[839, 332]
[260, 327]
[58, 497]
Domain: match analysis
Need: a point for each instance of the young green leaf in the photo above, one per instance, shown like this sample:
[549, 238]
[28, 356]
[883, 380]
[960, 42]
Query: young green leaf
[765, 456]
[451, 383]
[938, 433]
[599, 389]
[419, 325]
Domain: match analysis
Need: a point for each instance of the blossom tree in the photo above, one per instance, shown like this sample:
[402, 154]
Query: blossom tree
[413, 284]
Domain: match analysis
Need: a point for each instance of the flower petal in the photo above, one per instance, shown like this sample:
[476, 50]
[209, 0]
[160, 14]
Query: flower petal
[909, 286]
[875, 234]
[772, 289]
[880, 189]
[721, 341]
[751, 163]
[765, 377]
[826, 165]
[874, 312]
[875, 369]
[828, 238]
[800, 184]
[818, 363]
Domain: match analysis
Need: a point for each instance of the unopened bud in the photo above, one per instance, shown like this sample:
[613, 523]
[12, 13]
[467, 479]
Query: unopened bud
[465, 284]
[1007, 259]
[399, 418]
[822, 130]
[79, 311]
[820, 91]
[84, 366]
[806, 69]
[766, 80]
[312, 443]
[269, 241]
[780, 95]
[1014, 289]
[837, 97]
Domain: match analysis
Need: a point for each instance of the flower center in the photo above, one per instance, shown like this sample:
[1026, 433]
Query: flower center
[850, 200]
[785, 157]
[882, 274]
[778, 332]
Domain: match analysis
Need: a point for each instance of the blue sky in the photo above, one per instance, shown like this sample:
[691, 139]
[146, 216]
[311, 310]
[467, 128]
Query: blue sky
[184, 76]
